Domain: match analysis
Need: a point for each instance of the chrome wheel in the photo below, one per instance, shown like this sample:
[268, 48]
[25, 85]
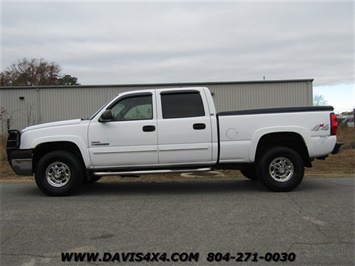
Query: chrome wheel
[281, 169]
[58, 174]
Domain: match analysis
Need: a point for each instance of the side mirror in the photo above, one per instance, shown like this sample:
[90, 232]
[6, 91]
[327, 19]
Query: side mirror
[106, 116]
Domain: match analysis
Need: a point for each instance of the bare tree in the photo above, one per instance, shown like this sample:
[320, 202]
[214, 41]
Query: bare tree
[5, 120]
[30, 115]
[319, 100]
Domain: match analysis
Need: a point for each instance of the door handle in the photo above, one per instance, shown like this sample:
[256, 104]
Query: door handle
[199, 126]
[149, 128]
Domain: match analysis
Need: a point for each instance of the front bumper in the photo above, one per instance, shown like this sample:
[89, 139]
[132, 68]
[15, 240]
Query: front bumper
[20, 160]
[338, 147]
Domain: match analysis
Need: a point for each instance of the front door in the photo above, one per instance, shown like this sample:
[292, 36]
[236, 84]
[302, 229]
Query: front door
[129, 139]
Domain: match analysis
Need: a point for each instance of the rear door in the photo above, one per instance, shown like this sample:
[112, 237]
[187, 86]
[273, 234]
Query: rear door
[184, 128]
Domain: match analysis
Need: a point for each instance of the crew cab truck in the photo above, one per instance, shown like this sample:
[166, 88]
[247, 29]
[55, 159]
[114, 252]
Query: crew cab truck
[174, 130]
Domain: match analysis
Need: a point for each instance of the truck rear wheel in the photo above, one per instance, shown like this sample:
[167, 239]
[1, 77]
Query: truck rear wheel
[280, 169]
[59, 173]
[250, 173]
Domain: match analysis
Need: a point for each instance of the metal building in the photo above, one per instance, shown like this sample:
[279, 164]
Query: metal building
[33, 105]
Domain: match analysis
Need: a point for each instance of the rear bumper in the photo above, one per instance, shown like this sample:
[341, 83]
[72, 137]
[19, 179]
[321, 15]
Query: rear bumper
[338, 147]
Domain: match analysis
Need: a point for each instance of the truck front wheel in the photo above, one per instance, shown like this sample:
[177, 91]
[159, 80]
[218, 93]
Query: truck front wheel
[59, 173]
[280, 169]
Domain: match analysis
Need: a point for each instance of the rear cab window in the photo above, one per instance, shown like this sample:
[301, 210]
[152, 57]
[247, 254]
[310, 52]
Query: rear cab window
[182, 104]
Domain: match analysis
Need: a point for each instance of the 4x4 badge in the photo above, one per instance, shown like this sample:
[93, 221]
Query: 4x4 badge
[320, 127]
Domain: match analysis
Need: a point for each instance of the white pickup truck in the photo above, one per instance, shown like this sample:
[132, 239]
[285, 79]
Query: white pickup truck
[174, 130]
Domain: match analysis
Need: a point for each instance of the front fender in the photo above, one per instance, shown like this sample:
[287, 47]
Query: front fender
[76, 140]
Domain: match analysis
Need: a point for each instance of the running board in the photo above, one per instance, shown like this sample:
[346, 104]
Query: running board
[149, 172]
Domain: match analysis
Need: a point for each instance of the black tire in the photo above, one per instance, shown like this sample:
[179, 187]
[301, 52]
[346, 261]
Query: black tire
[280, 169]
[250, 173]
[59, 173]
[92, 179]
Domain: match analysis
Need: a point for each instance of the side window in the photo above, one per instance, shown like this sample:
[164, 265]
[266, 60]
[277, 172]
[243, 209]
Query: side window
[179, 105]
[133, 108]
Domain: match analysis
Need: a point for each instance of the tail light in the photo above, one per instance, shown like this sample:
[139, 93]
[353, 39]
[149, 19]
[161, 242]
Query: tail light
[333, 124]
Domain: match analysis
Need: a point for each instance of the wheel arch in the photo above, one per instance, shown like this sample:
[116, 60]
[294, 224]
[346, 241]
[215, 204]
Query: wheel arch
[44, 148]
[291, 140]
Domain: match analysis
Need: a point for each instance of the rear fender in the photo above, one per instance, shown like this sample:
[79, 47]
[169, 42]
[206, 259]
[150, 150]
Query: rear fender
[276, 131]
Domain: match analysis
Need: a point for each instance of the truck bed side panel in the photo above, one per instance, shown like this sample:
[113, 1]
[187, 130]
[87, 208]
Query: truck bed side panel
[240, 131]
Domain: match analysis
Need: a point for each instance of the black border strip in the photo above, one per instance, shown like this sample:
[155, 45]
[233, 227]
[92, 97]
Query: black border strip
[278, 110]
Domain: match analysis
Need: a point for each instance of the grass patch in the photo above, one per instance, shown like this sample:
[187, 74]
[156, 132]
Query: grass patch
[3, 155]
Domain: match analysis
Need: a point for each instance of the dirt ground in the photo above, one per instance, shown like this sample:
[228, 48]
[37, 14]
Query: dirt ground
[339, 165]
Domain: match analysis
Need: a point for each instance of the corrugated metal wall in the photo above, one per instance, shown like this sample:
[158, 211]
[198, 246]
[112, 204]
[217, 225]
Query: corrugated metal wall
[262, 95]
[32, 105]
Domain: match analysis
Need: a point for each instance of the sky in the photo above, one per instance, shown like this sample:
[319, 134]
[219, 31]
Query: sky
[129, 42]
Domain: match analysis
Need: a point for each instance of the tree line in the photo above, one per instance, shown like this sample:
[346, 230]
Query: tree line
[35, 72]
